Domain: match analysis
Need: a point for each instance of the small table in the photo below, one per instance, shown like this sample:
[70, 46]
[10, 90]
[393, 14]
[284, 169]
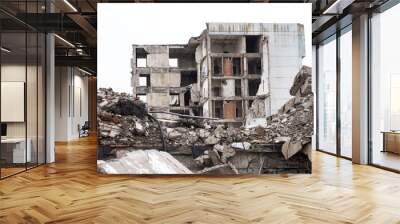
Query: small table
[16, 154]
[391, 141]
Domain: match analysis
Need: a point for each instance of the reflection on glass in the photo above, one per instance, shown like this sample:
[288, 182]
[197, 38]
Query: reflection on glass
[31, 96]
[385, 114]
[327, 96]
[346, 94]
[14, 153]
[41, 98]
[22, 90]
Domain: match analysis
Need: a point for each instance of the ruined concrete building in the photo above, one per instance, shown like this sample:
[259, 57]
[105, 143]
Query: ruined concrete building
[238, 72]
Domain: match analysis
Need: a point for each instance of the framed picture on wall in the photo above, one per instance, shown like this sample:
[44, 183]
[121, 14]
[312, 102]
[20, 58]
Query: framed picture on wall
[209, 94]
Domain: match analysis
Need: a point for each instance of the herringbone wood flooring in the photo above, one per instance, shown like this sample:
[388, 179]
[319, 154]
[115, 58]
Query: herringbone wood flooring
[70, 191]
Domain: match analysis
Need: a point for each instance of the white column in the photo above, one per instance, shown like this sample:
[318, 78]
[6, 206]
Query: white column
[360, 90]
[50, 99]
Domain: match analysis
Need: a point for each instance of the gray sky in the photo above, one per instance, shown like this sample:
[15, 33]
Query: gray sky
[122, 24]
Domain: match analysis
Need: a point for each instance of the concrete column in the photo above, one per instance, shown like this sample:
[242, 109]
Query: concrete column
[360, 90]
[244, 87]
[50, 98]
[209, 73]
[134, 77]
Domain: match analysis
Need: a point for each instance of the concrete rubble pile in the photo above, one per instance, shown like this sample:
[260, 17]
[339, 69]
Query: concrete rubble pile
[122, 121]
[204, 146]
[293, 124]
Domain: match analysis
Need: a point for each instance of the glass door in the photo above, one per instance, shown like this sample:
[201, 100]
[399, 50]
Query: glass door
[385, 90]
[327, 96]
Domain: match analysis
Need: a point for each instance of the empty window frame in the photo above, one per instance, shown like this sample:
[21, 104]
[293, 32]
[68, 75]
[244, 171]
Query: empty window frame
[217, 66]
[173, 62]
[216, 91]
[144, 80]
[188, 77]
[237, 66]
[253, 86]
[186, 98]
[218, 109]
[250, 103]
[239, 109]
[141, 62]
[174, 100]
[141, 57]
[216, 88]
[226, 44]
[254, 66]
[238, 88]
[253, 44]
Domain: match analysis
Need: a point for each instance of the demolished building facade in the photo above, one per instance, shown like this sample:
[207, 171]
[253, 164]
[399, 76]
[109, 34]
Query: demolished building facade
[130, 139]
[237, 72]
[234, 100]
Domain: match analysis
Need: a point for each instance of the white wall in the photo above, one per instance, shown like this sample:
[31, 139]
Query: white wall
[286, 52]
[71, 102]
[33, 126]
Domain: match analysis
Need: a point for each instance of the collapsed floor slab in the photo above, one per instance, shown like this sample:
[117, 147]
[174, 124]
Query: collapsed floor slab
[143, 162]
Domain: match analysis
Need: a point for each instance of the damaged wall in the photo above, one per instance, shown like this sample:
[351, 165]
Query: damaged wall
[170, 72]
[264, 57]
[170, 79]
[158, 56]
[236, 44]
[282, 49]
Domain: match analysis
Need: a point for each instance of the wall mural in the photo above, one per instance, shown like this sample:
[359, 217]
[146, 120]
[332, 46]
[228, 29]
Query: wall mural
[233, 100]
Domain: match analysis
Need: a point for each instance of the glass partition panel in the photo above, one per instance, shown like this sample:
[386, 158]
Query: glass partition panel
[22, 77]
[14, 153]
[346, 93]
[327, 96]
[31, 97]
[385, 89]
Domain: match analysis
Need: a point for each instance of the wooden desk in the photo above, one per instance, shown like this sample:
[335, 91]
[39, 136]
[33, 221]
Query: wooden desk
[13, 150]
[391, 141]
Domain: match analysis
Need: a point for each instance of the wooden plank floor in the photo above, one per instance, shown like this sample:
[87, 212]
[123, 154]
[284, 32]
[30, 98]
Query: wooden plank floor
[70, 191]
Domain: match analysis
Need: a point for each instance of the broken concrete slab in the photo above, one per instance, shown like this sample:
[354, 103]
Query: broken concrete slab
[143, 162]
[290, 148]
[211, 140]
[241, 145]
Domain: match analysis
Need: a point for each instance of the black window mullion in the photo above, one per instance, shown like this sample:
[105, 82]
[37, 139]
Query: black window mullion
[338, 92]
[37, 90]
[26, 87]
[369, 100]
[0, 97]
[317, 97]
